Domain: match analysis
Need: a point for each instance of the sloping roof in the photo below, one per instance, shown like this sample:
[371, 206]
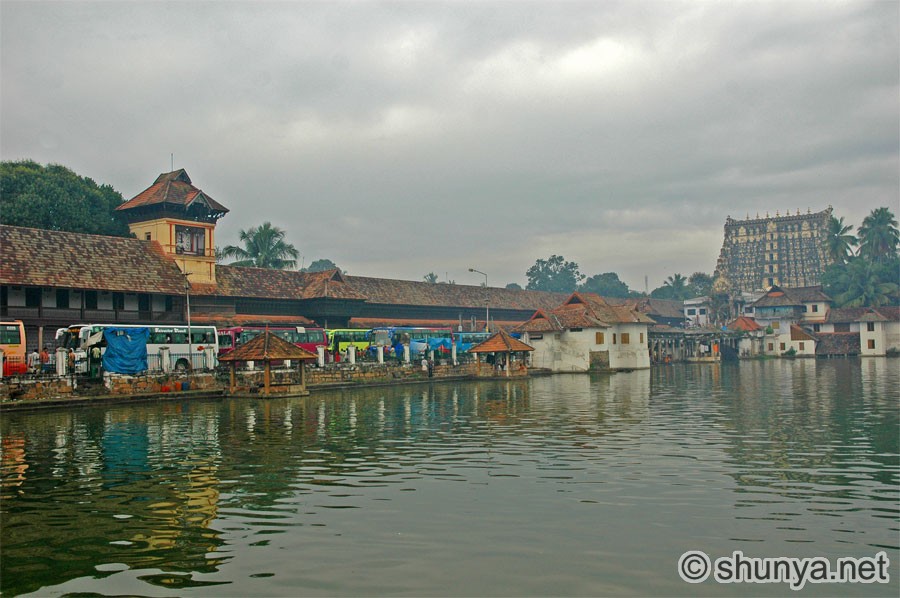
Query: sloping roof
[838, 343]
[583, 310]
[808, 294]
[872, 315]
[744, 323]
[267, 346]
[254, 320]
[36, 257]
[407, 292]
[798, 334]
[655, 308]
[776, 297]
[500, 342]
[845, 315]
[266, 283]
[172, 188]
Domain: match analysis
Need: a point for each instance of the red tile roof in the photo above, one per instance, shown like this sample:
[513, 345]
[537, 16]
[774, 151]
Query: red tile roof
[500, 342]
[251, 320]
[264, 283]
[172, 188]
[798, 334]
[36, 257]
[884, 313]
[744, 323]
[583, 310]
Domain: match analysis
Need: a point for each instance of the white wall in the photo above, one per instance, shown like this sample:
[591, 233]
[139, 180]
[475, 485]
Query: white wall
[635, 354]
[877, 337]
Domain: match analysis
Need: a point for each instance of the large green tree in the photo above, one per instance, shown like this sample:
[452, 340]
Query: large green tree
[554, 274]
[838, 240]
[53, 197]
[700, 284]
[861, 282]
[321, 265]
[264, 247]
[606, 285]
[879, 236]
[675, 287]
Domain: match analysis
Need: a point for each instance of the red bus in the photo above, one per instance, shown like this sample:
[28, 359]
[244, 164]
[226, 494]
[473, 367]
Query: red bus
[12, 342]
[304, 337]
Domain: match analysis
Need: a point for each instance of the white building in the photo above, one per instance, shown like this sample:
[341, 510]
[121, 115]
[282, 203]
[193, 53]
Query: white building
[696, 311]
[586, 332]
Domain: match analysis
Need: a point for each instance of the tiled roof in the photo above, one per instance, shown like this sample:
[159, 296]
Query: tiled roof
[798, 334]
[807, 294]
[451, 323]
[660, 308]
[778, 296]
[254, 320]
[583, 310]
[265, 283]
[501, 342]
[408, 292]
[844, 315]
[838, 343]
[172, 188]
[744, 323]
[267, 346]
[35, 257]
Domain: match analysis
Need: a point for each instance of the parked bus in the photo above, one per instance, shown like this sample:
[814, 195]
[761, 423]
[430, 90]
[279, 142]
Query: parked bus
[184, 355]
[341, 338]
[420, 339]
[467, 340]
[12, 343]
[306, 338]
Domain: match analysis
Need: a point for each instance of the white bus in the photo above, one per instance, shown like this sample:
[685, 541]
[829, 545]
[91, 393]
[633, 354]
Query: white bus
[183, 354]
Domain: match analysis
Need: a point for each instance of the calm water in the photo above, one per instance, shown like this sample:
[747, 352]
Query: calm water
[567, 485]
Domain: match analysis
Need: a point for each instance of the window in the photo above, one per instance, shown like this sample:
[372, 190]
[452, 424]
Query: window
[771, 346]
[817, 328]
[870, 326]
[62, 298]
[598, 338]
[642, 338]
[32, 297]
[626, 338]
[614, 338]
[771, 282]
[802, 345]
[782, 346]
[871, 343]
[119, 301]
[692, 312]
[147, 236]
[90, 299]
[702, 311]
[815, 307]
[190, 240]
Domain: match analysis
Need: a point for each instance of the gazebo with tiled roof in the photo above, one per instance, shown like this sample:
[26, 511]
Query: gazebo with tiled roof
[268, 347]
[501, 343]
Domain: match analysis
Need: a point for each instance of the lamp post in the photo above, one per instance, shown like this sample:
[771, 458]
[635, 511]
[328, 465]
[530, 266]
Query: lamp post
[187, 299]
[487, 307]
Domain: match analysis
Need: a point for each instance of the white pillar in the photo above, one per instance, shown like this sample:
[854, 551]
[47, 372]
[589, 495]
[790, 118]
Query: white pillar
[62, 358]
[320, 356]
[165, 362]
[210, 353]
[405, 353]
[431, 355]
[2, 356]
[379, 352]
[453, 353]
[351, 354]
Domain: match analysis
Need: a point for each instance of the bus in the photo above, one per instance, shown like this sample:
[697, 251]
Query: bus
[12, 343]
[420, 339]
[341, 338]
[467, 340]
[305, 338]
[185, 355]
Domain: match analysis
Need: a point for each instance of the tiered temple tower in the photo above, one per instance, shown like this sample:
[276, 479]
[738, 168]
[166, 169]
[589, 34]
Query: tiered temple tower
[787, 251]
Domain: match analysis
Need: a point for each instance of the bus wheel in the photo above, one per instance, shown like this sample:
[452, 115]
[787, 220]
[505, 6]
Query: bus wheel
[182, 366]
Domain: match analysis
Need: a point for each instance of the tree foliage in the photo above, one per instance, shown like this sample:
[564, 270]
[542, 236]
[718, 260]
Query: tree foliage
[879, 236]
[431, 277]
[264, 247]
[53, 197]
[839, 242]
[675, 287]
[606, 285]
[514, 286]
[862, 282]
[554, 274]
[701, 284]
[321, 265]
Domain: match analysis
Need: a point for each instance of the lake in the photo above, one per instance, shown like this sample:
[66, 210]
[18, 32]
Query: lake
[562, 485]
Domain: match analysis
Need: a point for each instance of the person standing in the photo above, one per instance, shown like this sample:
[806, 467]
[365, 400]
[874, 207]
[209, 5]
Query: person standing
[34, 359]
[45, 360]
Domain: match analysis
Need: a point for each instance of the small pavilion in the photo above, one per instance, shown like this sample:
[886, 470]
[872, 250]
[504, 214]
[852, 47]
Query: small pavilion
[503, 345]
[268, 347]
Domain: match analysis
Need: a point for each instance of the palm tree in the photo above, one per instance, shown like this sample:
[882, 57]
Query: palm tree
[838, 241]
[878, 236]
[264, 247]
[678, 286]
[860, 286]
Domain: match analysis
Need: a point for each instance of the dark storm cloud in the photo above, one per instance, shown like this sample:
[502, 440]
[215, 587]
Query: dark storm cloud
[402, 138]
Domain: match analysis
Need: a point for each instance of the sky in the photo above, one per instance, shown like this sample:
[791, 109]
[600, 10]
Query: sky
[402, 138]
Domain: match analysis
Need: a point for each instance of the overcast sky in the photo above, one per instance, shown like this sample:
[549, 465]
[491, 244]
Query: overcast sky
[398, 139]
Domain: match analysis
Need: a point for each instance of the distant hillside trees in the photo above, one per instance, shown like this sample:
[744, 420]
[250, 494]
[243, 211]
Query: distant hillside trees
[607, 285]
[320, 265]
[54, 197]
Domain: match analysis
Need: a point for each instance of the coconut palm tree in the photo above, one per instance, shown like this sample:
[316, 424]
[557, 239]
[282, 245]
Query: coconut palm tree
[264, 247]
[838, 241]
[878, 236]
[858, 284]
[678, 285]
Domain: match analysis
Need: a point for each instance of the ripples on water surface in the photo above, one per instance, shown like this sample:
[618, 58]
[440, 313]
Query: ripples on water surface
[566, 485]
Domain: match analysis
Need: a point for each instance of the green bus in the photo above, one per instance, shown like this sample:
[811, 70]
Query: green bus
[341, 338]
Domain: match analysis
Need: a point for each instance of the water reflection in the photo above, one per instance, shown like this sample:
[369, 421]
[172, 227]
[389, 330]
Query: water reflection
[502, 479]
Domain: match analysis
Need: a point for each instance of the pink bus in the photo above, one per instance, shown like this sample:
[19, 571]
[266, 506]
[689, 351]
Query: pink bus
[304, 337]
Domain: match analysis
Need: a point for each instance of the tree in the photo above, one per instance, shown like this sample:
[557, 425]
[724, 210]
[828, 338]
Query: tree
[53, 197]
[431, 277]
[838, 240]
[675, 287]
[606, 285]
[514, 286]
[701, 284]
[554, 274]
[860, 282]
[321, 265]
[264, 247]
[878, 236]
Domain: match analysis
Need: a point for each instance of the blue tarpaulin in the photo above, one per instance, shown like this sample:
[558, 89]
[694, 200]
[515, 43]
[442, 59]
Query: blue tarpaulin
[126, 350]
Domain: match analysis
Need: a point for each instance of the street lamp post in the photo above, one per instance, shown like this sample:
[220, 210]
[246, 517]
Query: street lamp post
[187, 299]
[487, 305]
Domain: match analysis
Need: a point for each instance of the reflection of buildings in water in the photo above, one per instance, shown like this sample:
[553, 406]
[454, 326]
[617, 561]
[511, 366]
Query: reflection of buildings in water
[630, 393]
[12, 462]
[875, 376]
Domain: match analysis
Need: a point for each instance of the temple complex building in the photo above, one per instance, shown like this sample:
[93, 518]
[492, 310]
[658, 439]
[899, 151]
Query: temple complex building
[759, 253]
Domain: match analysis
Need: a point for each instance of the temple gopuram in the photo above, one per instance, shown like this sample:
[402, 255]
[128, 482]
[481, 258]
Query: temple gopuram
[787, 250]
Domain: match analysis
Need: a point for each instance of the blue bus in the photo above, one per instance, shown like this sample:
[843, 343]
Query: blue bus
[419, 338]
